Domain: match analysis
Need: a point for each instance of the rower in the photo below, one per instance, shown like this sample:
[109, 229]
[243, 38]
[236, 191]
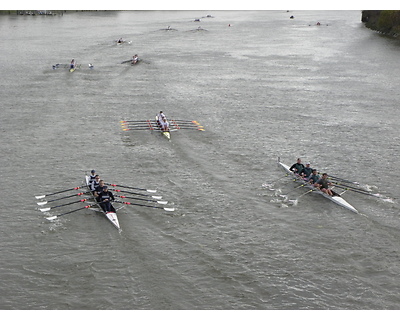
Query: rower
[160, 116]
[314, 177]
[72, 64]
[120, 40]
[92, 177]
[104, 198]
[99, 188]
[323, 184]
[135, 59]
[306, 172]
[297, 167]
[95, 183]
[164, 124]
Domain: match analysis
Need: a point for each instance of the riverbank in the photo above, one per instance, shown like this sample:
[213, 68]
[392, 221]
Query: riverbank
[383, 21]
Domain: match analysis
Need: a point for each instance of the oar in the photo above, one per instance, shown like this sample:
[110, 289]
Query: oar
[61, 205]
[126, 61]
[139, 121]
[62, 214]
[350, 187]
[297, 200]
[279, 178]
[143, 205]
[117, 185]
[186, 128]
[50, 194]
[130, 129]
[340, 179]
[133, 198]
[74, 195]
[139, 194]
[188, 121]
[360, 191]
[135, 126]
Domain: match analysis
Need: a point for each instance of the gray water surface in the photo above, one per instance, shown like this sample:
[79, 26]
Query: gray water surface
[263, 86]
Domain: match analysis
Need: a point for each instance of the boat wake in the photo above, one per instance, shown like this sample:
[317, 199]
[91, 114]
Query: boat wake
[275, 193]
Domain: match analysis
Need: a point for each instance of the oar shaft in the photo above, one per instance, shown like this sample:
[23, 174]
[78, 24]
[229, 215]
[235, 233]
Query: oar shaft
[144, 205]
[136, 121]
[347, 186]
[73, 195]
[134, 188]
[63, 214]
[67, 204]
[51, 194]
[358, 191]
[135, 193]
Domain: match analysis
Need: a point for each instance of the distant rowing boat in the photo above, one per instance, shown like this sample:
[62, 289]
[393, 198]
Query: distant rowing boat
[68, 66]
[336, 198]
[154, 125]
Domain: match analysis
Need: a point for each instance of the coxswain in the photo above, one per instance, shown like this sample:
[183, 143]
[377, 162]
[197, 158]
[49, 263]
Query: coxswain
[104, 198]
[323, 184]
[297, 167]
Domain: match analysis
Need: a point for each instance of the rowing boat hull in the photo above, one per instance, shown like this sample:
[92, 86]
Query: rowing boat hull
[336, 199]
[111, 216]
[166, 134]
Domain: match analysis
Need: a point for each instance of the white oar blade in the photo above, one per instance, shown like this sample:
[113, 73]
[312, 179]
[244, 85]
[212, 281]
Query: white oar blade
[157, 197]
[44, 209]
[51, 218]
[42, 203]
[169, 209]
[162, 202]
[149, 190]
[40, 197]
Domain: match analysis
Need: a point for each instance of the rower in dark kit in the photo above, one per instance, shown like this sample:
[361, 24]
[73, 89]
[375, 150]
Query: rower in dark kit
[99, 188]
[92, 177]
[104, 198]
[297, 167]
[95, 183]
[323, 184]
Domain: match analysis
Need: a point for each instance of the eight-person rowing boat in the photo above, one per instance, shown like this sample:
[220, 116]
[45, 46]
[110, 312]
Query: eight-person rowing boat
[335, 197]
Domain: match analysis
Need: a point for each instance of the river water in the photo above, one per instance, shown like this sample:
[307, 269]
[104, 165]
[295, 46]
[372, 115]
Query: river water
[263, 86]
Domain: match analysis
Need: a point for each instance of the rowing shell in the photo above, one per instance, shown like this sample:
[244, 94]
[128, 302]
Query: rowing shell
[336, 199]
[111, 216]
[165, 134]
